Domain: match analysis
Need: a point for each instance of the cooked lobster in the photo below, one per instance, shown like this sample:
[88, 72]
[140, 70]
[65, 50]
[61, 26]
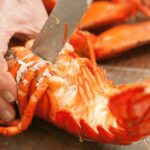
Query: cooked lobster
[119, 36]
[113, 41]
[75, 95]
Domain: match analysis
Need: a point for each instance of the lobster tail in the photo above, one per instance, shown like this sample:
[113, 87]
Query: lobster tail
[131, 109]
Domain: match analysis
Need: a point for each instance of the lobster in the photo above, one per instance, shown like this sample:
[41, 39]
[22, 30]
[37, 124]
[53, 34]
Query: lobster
[75, 95]
[119, 36]
[114, 41]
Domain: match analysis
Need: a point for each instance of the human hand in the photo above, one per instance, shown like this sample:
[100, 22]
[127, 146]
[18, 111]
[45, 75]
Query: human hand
[20, 18]
[23, 18]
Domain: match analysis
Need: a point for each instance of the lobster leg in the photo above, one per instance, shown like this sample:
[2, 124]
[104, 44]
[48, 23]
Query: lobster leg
[28, 114]
[98, 72]
[23, 89]
[27, 108]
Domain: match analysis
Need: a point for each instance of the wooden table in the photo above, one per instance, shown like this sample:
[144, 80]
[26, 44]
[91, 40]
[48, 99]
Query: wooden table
[43, 136]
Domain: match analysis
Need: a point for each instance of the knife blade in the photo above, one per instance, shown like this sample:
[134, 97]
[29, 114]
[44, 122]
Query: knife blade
[122, 75]
[51, 38]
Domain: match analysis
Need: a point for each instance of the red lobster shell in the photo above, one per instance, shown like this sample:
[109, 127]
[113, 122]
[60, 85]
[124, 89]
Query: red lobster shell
[75, 95]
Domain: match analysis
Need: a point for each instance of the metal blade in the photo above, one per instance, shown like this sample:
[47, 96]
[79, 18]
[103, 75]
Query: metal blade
[51, 38]
[121, 75]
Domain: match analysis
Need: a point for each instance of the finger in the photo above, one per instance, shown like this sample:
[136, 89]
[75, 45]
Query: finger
[8, 89]
[8, 96]
[7, 112]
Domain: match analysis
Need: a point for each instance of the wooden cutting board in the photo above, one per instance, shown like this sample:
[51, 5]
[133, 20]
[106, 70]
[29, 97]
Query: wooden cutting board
[43, 136]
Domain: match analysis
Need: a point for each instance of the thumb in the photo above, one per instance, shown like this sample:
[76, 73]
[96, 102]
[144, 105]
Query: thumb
[5, 37]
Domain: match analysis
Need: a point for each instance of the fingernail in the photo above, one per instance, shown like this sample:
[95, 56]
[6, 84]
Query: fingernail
[5, 115]
[8, 96]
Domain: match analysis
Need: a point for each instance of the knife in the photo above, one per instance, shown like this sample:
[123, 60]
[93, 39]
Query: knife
[60, 25]
[122, 75]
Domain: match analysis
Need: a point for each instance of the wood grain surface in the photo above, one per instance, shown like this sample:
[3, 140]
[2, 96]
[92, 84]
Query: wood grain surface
[43, 136]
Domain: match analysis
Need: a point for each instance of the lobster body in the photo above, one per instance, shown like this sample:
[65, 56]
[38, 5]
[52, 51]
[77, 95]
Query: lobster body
[75, 95]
